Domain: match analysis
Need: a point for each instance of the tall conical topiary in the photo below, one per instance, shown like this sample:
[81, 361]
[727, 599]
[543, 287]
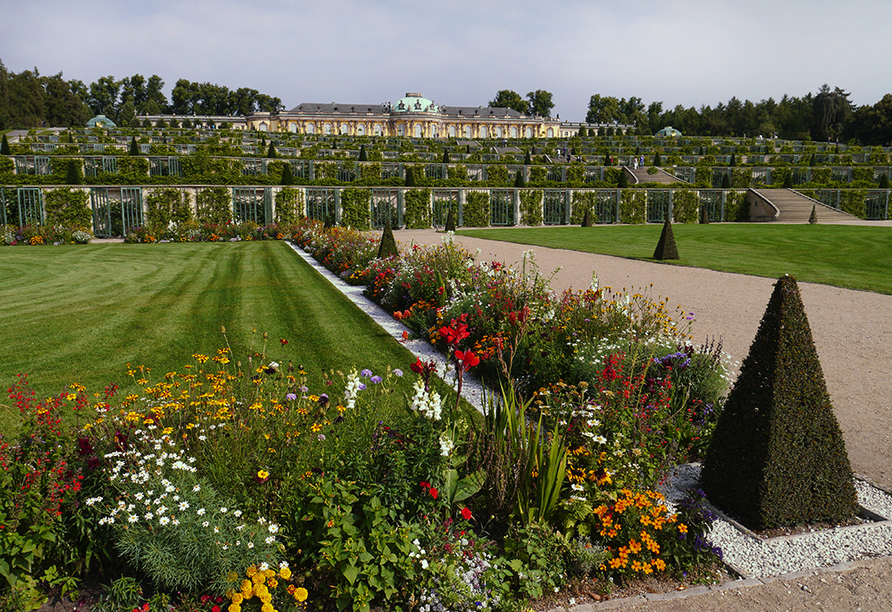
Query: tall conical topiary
[134, 147]
[450, 221]
[657, 160]
[587, 219]
[387, 247]
[363, 156]
[726, 181]
[884, 181]
[4, 146]
[271, 151]
[410, 177]
[518, 178]
[733, 161]
[813, 217]
[623, 180]
[73, 175]
[526, 159]
[287, 175]
[445, 156]
[777, 456]
[666, 248]
[704, 215]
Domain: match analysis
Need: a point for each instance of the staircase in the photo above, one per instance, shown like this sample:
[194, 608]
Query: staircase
[794, 207]
[664, 178]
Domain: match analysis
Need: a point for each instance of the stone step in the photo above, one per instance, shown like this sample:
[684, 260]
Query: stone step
[795, 208]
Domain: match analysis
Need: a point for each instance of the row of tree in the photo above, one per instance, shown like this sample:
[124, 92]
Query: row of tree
[28, 99]
[537, 104]
[828, 115]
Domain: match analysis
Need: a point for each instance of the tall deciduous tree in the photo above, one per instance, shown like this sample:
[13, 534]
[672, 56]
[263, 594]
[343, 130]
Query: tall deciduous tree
[540, 103]
[506, 98]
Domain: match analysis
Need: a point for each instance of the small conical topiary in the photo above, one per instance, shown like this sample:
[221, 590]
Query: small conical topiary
[811, 160]
[587, 219]
[526, 159]
[134, 147]
[813, 217]
[445, 156]
[363, 156]
[704, 215]
[733, 161]
[73, 175]
[623, 181]
[726, 181]
[884, 181]
[777, 456]
[4, 146]
[657, 160]
[271, 151]
[666, 248]
[287, 175]
[387, 247]
[410, 177]
[450, 221]
[518, 179]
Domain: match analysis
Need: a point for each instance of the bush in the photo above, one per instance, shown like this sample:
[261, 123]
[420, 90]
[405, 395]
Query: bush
[68, 207]
[476, 209]
[531, 206]
[777, 456]
[214, 205]
[666, 248]
[356, 209]
[417, 208]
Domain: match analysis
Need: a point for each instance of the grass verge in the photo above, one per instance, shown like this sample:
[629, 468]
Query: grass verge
[82, 313]
[852, 257]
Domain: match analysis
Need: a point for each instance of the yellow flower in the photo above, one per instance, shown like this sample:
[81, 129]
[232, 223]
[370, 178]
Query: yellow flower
[267, 607]
[285, 573]
[237, 598]
[682, 528]
[262, 474]
[234, 607]
[300, 594]
[251, 571]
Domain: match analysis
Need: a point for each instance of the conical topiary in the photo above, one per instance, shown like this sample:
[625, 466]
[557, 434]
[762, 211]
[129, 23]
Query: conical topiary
[134, 147]
[726, 181]
[387, 247]
[587, 219]
[704, 215]
[410, 177]
[813, 217]
[450, 221]
[526, 159]
[733, 161]
[623, 181]
[271, 151]
[445, 156]
[287, 175]
[4, 146]
[657, 160]
[884, 181]
[666, 248]
[73, 175]
[363, 156]
[777, 456]
[518, 179]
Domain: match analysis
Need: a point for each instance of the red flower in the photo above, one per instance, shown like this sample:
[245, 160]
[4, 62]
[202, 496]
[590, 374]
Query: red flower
[424, 484]
[283, 341]
[417, 367]
[466, 514]
[468, 358]
[433, 492]
[215, 609]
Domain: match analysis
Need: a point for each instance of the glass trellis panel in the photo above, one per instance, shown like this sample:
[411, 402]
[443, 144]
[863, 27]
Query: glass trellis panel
[158, 166]
[113, 216]
[300, 168]
[593, 174]
[385, 205]
[320, 203]
[443, 201]
[553, 206]
[390, 170]
[717, 175]
[110, 164]
[435, 171]
[253, 167]
[843, 175]
[827, 196]
[657, 205]
[24, 165]
[131, 207]
[30, 206]
[347, 172]
[875, 204]
[92, 166]
[475, 173]
[248, 204]
[760, 176]
[605, 206]
[501, 207]
[173, 165]
[711, 201]
[555, 174]
[687, 175]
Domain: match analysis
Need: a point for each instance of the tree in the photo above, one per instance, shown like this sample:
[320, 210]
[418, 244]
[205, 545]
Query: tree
[363, 156]
[540, 103]
[4, 146]
[63, 107]
[604, 110]
[287, 175]
[777, 456]
[831, 111]
[506, 98]
[666, 247]
[103, 97]
[271, 151]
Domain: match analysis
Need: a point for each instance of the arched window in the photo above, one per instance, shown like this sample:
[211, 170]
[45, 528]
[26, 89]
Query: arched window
[400, 130]
[467, 131]
[326, 129]
[433, 131]
[345, 129]
[378, 130]
[360, 129]
[498, 133]
[483, 132]
[550, 133]
[292, 127]
[451, 131]
[419, 130]
[528, 132]
[311, 128]
[263, 126]
[513, 132]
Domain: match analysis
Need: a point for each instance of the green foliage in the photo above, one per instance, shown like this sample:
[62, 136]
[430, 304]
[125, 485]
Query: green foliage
[496, 175]
[68, 207]
[813, 217]
[287, 175]
[417, 208]
[583, 204]
[884, 181]
[777, 455]
[519, 181]
[271, 151]
[133, 170]
[356, 209]
[531, 207]
[450, 221]
[854, 201]
[134, 147]
[410, 177]
[214, 205]
[74, 172]
[685, 205]
[476, 209]
[4, 146]
[633, 206]
[539, 559]
[289, 206]
[538, 175]
[363, 156]
[387, 247]
[623, 181]
[666, 248]
[165, 206]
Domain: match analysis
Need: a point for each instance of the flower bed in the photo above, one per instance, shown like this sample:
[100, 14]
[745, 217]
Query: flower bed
[245, 484]
[35, 235]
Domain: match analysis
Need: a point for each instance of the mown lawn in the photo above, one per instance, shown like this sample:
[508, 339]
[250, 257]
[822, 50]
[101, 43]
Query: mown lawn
[82, 313]
[854, 257]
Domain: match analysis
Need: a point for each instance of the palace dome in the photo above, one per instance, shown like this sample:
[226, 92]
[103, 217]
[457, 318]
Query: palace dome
[415, 103]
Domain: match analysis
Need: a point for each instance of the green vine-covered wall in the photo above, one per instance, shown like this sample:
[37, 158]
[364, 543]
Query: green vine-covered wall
[531, 207]
[417, 207]
[633, 206]
[685, 206]
[68, 208]
[356, 211]
[476, 209]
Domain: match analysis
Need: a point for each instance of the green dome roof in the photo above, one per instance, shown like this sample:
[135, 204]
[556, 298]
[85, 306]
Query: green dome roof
[415, 103]
[101, 121]
[668, 132]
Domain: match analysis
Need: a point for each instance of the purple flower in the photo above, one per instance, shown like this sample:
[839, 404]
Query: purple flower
[321, 437]
[366, 373]
[303, 389]
[361, 387]
[398, 372]
[291, 397]
[375, 380]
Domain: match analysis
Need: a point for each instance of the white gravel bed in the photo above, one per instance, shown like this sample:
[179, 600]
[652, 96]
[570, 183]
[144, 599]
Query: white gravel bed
[755, 557]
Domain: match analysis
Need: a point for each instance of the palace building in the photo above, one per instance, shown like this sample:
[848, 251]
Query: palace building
[413, 115]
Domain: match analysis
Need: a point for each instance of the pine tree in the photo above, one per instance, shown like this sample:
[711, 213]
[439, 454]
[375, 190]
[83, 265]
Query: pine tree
[387, 247]
[4, 146]
[271, 151]
[73, 174]
[777, 456]
[134, 148]
[813, 217]
[666, 248]
[287, 175]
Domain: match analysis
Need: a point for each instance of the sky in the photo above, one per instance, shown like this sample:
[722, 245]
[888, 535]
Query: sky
[461, 53]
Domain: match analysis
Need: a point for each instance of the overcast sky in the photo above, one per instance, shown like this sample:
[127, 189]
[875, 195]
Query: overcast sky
[461, 52]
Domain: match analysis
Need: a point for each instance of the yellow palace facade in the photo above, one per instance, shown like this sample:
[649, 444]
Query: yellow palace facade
[413, 116]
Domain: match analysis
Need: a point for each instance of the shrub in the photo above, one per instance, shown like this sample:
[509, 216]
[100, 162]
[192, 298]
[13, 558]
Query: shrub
[68, 207]
[417, 208]
[166, 206]
[777, 456]
[476, 209]
[684, 206]
[666, 248]
[633, 206]
[531, 206]
[387, 247]
[214, 205]
[289, 205]
[356, 208]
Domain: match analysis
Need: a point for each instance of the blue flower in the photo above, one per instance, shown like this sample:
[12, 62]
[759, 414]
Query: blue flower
[375, 380]
[366, 373]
